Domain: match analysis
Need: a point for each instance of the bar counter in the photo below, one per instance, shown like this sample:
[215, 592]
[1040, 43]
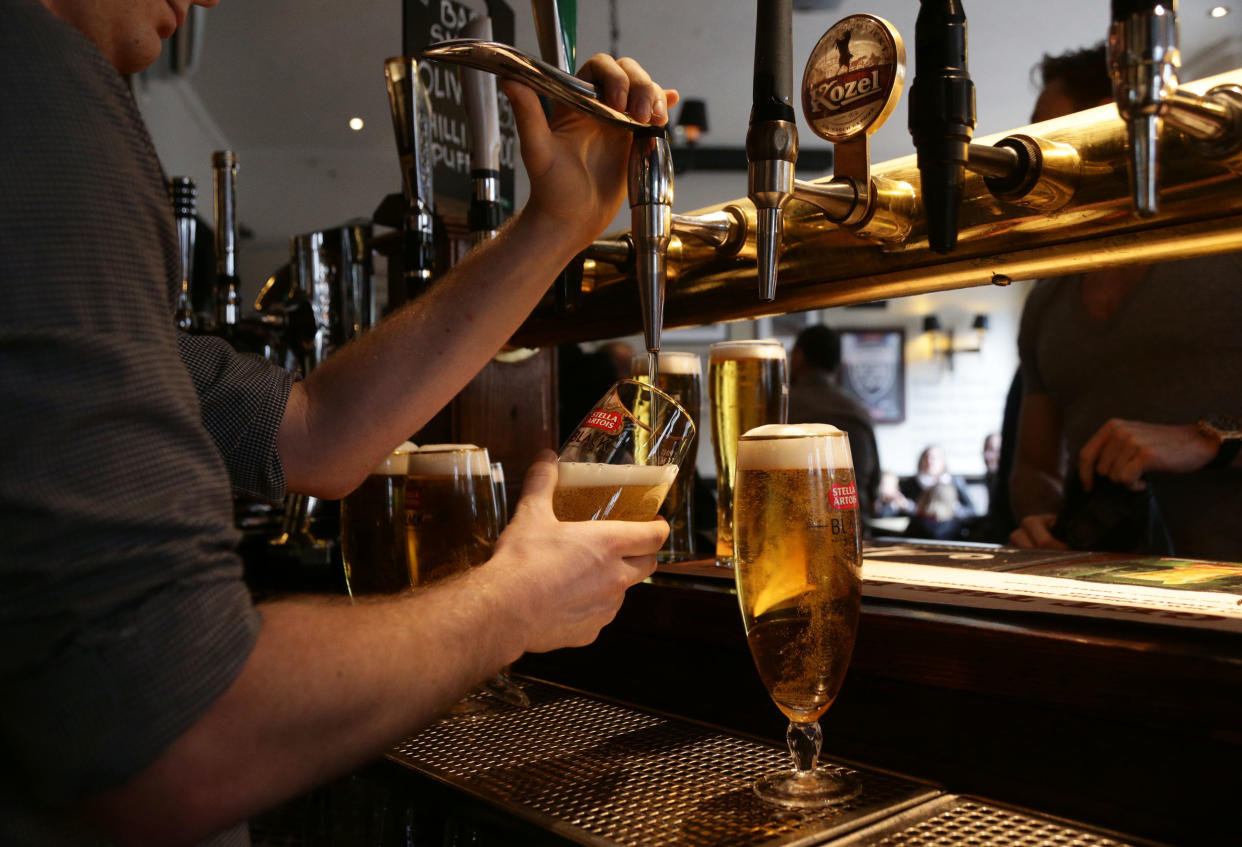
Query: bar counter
[1132, 727]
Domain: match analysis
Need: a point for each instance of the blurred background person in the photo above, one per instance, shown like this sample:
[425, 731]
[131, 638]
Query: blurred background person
[816, 396]
[1124, 437]
[933, 472]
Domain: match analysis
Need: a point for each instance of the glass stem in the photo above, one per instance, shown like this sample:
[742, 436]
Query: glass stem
[804, 740]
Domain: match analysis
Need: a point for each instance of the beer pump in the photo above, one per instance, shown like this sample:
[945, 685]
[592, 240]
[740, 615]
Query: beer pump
[942, 115]
[411, 122]
[184, 199]
[1143, 60]
[485, 214]
[851, 84]
[772, 139]
[650, 173]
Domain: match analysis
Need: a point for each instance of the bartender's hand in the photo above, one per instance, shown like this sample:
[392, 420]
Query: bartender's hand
[1036, 531]
[567, 579]
[576, 164]
[1125, 450]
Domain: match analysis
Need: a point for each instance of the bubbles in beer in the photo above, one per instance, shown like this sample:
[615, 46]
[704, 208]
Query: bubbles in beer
[595, 491]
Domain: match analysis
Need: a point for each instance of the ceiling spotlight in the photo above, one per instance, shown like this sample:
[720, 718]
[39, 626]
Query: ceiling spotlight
[1218, 11]
[355, 124]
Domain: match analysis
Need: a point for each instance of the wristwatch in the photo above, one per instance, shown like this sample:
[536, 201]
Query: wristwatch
[1227, 431]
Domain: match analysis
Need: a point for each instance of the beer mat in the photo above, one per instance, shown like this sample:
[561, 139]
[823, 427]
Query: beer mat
[959, 554]
[1147, 592]
[599, 772]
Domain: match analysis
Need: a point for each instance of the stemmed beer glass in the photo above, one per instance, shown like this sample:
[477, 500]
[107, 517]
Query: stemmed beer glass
[798, 567]
[621, 460]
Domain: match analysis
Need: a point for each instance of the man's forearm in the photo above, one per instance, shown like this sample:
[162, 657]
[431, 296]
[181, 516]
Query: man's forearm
[373, 394]
[328, 686]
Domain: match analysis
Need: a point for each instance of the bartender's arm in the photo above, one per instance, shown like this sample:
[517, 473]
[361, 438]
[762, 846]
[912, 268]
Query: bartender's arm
[374, 393]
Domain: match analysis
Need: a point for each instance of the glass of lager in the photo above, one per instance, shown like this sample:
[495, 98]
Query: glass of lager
[450, 513]
[798, 567]
[680, 377]
[373, 543]
[747, 387]
[621, 460]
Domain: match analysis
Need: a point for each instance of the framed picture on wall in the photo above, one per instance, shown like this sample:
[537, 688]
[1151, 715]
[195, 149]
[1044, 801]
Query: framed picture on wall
[873, 369]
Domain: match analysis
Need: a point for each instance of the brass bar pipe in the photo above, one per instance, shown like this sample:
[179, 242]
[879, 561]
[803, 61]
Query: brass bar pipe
[824, 265]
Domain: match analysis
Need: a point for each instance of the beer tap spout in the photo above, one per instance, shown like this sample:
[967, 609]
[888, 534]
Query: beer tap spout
[1143, 60]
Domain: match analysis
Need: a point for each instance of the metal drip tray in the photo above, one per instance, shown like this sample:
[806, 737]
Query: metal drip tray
[952, 820]
[600, 773]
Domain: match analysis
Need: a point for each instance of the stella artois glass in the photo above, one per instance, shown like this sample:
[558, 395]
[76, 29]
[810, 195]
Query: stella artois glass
[798, 566]
[681, 378]
[621, 460]
[748, 387]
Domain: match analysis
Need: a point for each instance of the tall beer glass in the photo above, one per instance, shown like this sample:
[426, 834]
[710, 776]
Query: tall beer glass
[373, 543]
[681, 378]
[798, 568]
[450, 513]
[747, 386]
[621, 460]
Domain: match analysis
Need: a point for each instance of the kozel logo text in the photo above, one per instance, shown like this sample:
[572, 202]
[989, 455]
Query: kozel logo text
[838, 93]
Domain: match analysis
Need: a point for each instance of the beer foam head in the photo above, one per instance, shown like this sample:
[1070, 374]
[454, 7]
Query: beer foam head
[672, 362]
[761, 349]
[394, 464]
[590, 474]
[450, 460]
[775, 446]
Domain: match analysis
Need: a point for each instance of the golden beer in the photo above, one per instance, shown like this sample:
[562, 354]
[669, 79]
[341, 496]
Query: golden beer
[798, 562]
[451, 519]
[747, 382]
[589, 491]
[680, 377]
[373, 543]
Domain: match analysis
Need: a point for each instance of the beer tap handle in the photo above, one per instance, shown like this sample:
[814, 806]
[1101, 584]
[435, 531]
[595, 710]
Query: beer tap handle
[411, 120]
[772, 139]
[942, 115]
[1143, 60]
[485, 214]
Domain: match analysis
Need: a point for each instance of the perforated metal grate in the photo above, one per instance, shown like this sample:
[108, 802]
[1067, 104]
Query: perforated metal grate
[601, 773]
[951, 820]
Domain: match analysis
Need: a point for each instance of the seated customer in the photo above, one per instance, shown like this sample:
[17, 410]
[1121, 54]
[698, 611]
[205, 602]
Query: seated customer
[934, 473]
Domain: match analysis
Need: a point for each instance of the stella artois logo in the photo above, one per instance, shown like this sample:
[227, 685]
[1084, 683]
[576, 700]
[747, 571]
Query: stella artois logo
[853, 78]
[843, 497]
[609, 422]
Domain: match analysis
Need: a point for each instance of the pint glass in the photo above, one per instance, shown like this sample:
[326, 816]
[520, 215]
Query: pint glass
[681, 378]
[747, 386]
[373, 543]
[450, 514]
[798, 567]
[621, 460]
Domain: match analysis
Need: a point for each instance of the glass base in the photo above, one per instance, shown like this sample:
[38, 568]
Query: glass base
[807, 789]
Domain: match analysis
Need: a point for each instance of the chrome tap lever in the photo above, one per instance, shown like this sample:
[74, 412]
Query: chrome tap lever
[411, 120]
[1143, 60]
[772, 139]
[485, 214]
[651, 224]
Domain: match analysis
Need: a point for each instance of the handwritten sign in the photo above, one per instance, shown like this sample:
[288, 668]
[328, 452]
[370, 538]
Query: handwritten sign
[428, 21]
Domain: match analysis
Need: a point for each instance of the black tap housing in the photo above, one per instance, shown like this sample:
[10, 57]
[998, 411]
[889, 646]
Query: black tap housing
[942, 115]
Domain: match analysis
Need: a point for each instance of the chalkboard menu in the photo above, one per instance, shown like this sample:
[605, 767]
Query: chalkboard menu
[427, 21]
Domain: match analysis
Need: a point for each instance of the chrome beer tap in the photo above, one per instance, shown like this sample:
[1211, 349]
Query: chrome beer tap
[485, 214]
[411, 121]
[650, 166]
[1144, 60]
[772, 139]
[852, 82]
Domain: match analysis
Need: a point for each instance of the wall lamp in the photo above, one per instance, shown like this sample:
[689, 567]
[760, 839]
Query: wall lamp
[944, 342]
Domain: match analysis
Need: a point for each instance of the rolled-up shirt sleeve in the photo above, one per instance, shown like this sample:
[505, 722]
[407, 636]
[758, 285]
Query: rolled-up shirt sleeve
[242, 398]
